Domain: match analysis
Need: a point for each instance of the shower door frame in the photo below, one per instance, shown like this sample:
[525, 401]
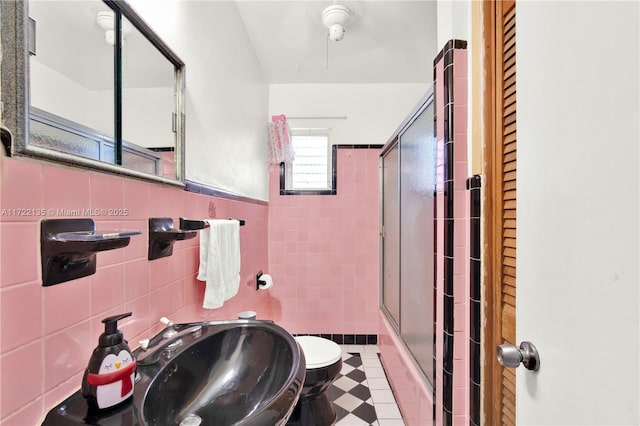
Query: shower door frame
[395, 143]
[390, 146]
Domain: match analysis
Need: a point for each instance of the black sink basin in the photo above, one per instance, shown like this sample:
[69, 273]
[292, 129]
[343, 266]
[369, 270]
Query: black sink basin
[238, 374]
[235, 373]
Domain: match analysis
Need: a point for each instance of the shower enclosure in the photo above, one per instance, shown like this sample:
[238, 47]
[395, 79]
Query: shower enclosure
[408, 184]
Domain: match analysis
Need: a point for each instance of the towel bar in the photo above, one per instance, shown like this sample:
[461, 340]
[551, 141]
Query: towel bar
[192, 225]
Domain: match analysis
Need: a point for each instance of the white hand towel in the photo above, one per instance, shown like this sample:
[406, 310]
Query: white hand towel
[219, 261]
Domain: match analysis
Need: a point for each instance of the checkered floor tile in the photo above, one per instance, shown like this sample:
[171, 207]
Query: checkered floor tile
[355, 402]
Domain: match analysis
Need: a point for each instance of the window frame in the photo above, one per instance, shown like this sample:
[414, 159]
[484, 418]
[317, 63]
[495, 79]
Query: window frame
[332, 161]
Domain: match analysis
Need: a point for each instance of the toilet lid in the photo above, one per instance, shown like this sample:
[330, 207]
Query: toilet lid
[319, 352]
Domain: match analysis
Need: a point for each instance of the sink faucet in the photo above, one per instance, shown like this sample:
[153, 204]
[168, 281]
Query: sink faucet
[172, 339]
[171, 331]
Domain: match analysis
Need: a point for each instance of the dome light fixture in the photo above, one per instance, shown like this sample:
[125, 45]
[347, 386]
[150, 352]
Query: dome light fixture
[106, 21]
[335, 17]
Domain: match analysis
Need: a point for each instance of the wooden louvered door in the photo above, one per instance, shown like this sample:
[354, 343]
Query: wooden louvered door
[500, 206]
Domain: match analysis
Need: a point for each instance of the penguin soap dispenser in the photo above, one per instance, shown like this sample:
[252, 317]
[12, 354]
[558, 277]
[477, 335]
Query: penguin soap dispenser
[110, 375]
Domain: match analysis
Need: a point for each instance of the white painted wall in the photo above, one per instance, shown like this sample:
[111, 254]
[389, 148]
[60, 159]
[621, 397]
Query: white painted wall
[147, 112]
[146, 115]
[373, 111]
[226, 93]
[55, 93]
[101, 111]
[453, 21]
[152, 110]
[578, 211]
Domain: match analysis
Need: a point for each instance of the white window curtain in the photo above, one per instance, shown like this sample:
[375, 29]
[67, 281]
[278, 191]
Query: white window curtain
[280, 148]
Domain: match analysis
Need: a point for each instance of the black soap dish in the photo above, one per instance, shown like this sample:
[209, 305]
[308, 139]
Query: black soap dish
[115, 234]
[162, 235]
[68, 248]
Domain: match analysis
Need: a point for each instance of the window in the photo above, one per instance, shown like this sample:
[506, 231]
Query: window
[313, 170]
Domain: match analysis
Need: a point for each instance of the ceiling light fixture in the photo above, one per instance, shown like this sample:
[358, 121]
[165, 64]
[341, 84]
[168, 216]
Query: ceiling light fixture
[335, 17]
[106, 21]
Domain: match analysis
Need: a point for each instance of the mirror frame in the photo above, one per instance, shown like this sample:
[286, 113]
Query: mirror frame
[14, 23]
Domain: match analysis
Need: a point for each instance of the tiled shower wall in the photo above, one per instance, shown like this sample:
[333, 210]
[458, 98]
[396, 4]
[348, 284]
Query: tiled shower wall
[47, 333]
[323, 250]
[452, 248]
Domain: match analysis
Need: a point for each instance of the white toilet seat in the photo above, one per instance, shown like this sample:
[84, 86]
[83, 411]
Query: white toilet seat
[319, 352]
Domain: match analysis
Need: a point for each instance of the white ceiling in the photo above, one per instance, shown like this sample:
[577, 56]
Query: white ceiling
[390, 41]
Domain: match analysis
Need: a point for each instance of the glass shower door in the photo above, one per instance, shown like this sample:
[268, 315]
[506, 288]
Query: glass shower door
[417, 205]
[408, 182]
[390, 241]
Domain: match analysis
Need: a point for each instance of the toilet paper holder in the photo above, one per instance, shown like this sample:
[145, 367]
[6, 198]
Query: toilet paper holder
[259, 282]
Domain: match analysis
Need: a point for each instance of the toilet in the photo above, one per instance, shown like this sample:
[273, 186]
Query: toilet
[324, 363]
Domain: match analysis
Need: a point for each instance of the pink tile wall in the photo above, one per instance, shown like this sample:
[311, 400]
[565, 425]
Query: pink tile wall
[323, 251]
[461, 242]
[51, 331]
[413, 397]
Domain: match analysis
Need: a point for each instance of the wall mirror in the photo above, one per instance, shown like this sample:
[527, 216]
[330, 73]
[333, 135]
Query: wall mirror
[101, 89]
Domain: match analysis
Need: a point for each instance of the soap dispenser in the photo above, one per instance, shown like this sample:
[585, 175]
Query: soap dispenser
[110, 376]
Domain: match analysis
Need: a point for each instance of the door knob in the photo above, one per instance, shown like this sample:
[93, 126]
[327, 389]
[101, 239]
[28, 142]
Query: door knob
[511, 356]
